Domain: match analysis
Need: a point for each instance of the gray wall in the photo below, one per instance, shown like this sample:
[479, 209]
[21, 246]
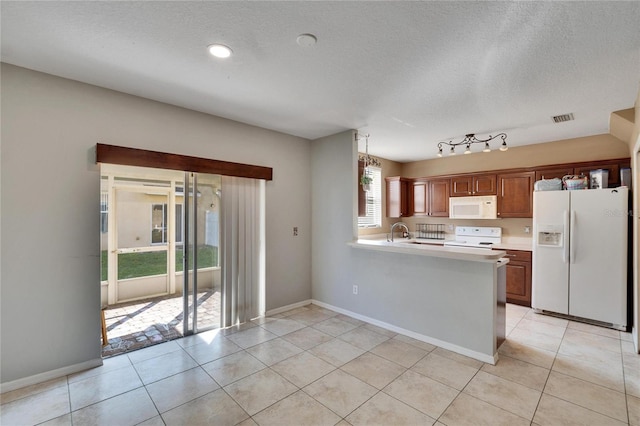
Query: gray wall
[334, 208]
[415, 293]
[50, 294]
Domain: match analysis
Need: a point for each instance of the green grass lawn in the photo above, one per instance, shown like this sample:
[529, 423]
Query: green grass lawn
[132, 265]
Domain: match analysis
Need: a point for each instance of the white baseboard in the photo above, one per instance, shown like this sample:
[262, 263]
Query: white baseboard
[289, 307]
[437, 342]
[49, 375]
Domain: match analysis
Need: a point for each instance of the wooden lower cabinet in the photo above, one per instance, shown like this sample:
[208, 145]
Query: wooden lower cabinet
[519, 277]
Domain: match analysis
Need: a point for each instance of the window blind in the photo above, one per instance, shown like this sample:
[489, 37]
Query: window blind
[373, 217]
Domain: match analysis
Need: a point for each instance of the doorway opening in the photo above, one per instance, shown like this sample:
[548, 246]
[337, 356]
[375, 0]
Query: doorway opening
[160, 255]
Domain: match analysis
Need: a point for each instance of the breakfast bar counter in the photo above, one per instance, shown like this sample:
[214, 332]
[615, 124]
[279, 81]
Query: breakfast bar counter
[451, 297]
[414, 247]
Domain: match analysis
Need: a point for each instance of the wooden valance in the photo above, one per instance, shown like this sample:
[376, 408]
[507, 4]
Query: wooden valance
[161, 160]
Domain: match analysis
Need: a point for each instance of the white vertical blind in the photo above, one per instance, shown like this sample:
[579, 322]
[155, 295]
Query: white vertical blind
[242, 246]
[373, 217]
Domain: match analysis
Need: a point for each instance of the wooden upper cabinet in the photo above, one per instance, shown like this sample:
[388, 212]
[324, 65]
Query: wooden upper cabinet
[553, 172]
[515, 194]
[466, 185]
[431, 197]
[484, 185]
[461, 186]
[399, 194]
[438, 196]
[420, 202]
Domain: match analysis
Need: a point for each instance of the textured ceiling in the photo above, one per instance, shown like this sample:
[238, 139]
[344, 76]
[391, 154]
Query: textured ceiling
[409, 73]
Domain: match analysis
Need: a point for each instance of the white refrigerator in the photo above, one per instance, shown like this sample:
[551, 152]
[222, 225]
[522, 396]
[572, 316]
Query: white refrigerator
[580, 254]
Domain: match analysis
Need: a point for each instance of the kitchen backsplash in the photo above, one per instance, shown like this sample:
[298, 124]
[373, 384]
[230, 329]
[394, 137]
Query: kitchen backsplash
[510, 227]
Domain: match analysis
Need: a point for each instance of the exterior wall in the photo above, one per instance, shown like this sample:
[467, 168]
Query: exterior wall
[50, 265]
[134, 219]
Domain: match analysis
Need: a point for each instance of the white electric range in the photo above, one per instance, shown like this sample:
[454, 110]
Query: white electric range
[476, 237]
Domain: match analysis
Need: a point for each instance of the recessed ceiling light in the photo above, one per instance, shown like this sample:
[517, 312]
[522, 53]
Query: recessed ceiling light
[220, 50]
[306, 40]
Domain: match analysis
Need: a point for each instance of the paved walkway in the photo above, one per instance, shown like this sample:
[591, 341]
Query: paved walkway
[135, 325]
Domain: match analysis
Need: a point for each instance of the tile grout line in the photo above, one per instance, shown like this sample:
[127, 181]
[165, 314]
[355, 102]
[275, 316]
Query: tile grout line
[624, 383]
[577, 378]
[388, 338]
[587, 408]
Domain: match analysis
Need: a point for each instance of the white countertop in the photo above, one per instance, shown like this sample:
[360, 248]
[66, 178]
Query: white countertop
[515, 243]
[436, 250]
[508, 243]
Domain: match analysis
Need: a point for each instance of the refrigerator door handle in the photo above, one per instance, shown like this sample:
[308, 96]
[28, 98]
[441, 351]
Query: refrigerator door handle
[565, 237]
[572, 246]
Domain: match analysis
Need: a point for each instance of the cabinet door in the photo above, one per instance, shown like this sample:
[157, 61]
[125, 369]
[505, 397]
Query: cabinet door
[484, 185]
[420, 207]
[519, 282]
[551, 173]
[438, 196]
[515, 194]
[613, 168]
[394, 197]
[461, 186]
[398, 196]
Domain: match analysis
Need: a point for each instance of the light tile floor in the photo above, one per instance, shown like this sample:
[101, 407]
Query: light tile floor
[312, 366]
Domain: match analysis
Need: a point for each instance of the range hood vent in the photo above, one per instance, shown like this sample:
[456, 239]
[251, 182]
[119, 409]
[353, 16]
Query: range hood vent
[562, 118]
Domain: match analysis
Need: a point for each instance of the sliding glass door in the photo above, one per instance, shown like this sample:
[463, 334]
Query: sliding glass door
[202, 276]
[160, 265]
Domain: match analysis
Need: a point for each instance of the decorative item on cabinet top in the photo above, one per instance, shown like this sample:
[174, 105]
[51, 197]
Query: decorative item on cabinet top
[554, 184]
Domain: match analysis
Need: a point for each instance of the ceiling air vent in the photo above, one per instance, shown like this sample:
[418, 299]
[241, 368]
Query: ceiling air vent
[562, 118]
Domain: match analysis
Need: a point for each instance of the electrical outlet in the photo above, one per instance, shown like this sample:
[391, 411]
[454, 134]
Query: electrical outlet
[527, 229]
[355, 289]
[295, 231]
[450, 227]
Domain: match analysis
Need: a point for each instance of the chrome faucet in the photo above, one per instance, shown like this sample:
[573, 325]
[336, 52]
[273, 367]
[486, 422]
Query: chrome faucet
[402, 225]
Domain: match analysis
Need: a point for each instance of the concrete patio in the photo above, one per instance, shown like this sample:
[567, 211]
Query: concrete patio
[141, 323]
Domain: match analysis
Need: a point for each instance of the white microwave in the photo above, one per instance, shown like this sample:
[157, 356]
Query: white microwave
[481, 207]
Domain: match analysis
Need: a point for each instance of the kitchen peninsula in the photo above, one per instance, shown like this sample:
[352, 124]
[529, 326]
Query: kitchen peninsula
[449, 296]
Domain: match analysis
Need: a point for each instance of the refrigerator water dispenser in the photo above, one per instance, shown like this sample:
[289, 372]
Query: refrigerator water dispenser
[550, 236]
